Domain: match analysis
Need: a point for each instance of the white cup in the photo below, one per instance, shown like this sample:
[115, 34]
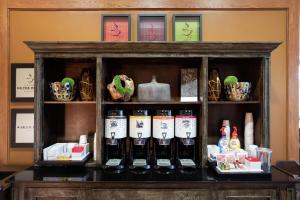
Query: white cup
[83, 139]
[252, 150]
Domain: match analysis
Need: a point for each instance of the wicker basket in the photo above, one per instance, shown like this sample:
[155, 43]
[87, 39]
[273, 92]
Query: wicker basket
[214, 90]
[62, 94]
[86, 85]
[86, 91]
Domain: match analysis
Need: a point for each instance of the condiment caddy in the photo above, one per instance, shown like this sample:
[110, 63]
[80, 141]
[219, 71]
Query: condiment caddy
[229, 158]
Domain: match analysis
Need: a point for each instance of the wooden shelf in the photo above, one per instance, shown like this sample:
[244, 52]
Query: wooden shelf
[69, 102]
[172, 102]
[233, 102]
[134, 101]
[65, 162]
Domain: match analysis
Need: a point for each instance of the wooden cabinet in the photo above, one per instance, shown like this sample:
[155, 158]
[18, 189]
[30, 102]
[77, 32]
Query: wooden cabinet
[245, 194]
[44, 193]
[65, 121]
[148, 194]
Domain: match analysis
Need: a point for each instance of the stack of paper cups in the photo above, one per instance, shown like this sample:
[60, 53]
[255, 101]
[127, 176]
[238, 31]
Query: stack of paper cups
[249, 130]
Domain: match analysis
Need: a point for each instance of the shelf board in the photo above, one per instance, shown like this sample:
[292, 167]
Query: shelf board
[233, 102]
[64, 162]
[174, 101]
[69, 102]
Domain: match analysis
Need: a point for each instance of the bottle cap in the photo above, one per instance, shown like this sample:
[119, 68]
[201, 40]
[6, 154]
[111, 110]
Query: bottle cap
[234, 133]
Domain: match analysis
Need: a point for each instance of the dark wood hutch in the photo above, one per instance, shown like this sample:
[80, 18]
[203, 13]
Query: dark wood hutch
[64, 122]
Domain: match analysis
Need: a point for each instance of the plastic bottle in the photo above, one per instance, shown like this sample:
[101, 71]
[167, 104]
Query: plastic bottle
[234, 143]
[223, 141]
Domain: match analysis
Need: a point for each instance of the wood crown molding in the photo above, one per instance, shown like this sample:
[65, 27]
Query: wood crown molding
[143, 5]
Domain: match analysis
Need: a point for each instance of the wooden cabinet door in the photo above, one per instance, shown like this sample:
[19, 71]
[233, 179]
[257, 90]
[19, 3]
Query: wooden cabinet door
[148, 194]
[53, 194]
[240, 194]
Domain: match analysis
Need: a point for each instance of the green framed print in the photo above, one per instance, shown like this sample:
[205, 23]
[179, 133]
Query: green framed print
[187, 28]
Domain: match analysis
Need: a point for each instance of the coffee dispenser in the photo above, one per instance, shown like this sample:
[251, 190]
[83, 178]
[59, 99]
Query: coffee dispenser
[163, 140]
[140, 134]
[115, 141]
[185, 132]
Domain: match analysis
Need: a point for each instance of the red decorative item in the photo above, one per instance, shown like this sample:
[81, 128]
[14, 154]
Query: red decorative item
[77, 149]
[115, 28]
[252, 159]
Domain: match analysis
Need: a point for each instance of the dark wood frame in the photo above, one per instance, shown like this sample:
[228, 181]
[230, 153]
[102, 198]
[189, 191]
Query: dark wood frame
[14, 67]
[187, 15]
[13, 143]
[112, 50]
[291, 7]
[115, 15]
[151, 15]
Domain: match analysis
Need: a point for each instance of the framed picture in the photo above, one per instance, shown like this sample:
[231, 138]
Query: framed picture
[116, 28]
[187, 28]
[22, 82]
[152, 28]
[22, 128]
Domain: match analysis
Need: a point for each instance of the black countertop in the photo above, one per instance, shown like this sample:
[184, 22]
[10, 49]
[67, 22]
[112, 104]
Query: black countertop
[90, 175]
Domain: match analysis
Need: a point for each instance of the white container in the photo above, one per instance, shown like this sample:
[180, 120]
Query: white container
[82, 139]
[226, 126]
[212, 151]
[140, 124]
[252, 150]
[163, 125]
[95, 146]
[115, 125]
[185, 124]
[253, 163]
[249, 130]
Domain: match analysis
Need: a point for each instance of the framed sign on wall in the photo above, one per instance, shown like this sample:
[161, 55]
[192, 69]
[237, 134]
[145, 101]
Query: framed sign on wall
[22, 128]
[187, 28]
[116, 28]
[152, 28]
[22, 82]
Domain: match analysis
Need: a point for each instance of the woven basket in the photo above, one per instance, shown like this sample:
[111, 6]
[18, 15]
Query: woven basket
[214, 90]
[86, 91]
[63, 94]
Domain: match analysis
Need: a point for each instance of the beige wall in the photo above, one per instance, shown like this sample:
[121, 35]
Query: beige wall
[217, 26]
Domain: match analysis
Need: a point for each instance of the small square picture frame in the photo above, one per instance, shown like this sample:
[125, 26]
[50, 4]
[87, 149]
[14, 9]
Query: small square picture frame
[22, 128]
[152, 27]
[116, 28]
[187, 27]
[22, 82]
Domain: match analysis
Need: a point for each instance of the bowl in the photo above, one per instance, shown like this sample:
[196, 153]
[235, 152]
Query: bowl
[60, 93]
[239, 91]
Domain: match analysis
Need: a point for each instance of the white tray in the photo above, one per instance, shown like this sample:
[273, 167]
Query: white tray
[238, 171]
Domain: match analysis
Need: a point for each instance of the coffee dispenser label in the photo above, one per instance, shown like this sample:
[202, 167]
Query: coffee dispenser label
[185, 126]
[163, 127]
[140, 126]
[115, 128]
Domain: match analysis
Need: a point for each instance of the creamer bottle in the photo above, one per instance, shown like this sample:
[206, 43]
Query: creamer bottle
[223, 141]
[234, 143]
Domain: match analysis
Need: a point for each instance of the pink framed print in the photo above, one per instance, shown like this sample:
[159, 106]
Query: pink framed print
[116, 28]
[152, 28]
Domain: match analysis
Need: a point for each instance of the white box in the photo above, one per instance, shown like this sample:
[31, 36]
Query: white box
[253, 163]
